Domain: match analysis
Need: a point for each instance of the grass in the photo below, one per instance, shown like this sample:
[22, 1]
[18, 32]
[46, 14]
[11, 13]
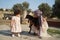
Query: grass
[54, 32]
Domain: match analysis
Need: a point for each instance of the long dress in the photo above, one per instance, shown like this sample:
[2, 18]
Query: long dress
[43, 29]
[16, 26]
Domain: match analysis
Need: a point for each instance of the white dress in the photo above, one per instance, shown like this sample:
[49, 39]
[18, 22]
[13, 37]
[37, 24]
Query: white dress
[44, 28]
[16, 26]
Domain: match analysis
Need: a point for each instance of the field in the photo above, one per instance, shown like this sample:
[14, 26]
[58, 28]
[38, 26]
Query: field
[5, 33]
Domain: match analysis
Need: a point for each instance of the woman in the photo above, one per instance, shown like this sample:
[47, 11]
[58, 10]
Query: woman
[44, 28]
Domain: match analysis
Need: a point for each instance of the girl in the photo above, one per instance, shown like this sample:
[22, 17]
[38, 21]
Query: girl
[15, 23]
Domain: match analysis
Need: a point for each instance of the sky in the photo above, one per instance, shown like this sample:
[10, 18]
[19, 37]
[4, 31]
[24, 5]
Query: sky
[33, 4]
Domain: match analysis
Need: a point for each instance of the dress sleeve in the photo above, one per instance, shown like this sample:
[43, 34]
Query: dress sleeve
[13, 18]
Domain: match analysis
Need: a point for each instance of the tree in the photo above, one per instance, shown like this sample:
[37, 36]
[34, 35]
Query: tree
[1, 9]
[29, 10]
[56, 9]
[45, 8]
[22, 7]
[11, 10]
[18, 6]
[7, 9]
[25, 5]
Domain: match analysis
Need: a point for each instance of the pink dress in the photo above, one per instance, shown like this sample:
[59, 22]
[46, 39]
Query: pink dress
[16, 26]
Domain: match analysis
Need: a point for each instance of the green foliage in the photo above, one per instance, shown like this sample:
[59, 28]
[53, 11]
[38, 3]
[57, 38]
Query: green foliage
[25, 5]
[29, 10]
[1, 9]
[7, 9]
[18, 6]
[56, 9]
[21, 7]
[45, 8]
[53, 31]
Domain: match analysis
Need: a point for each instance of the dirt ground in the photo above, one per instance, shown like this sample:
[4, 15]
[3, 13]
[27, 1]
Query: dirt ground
[5, 33]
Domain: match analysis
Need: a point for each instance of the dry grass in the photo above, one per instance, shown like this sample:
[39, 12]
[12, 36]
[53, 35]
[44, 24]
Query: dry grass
[7, 22]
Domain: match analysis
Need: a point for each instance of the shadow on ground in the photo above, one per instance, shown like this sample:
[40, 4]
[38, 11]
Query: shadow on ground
[8, 33]
[5, 32]
[27, 34]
